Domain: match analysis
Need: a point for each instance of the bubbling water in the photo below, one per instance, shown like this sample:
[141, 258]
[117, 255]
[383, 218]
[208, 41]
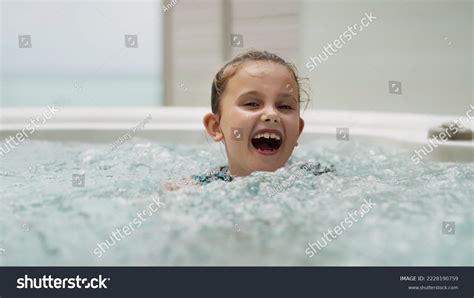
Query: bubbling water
[263, 219]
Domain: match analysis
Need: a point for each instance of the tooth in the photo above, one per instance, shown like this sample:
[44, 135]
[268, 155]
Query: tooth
[267, 135]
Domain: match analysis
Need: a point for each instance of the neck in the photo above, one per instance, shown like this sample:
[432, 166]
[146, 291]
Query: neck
[238, 171]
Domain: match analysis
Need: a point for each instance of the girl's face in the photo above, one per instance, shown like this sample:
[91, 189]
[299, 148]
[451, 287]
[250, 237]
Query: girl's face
[259, 121]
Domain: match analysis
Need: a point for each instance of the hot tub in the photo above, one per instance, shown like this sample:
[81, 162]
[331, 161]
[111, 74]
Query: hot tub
[77, 192]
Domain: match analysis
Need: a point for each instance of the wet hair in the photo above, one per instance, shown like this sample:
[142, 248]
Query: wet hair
[230, 68]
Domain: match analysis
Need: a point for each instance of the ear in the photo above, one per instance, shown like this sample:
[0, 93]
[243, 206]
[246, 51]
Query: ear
[301, 129]
[211, 123]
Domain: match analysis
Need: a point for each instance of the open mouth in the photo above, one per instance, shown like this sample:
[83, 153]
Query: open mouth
[267, 142]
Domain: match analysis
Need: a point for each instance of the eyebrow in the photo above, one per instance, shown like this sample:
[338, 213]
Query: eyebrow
[280, 95]
[287, 95]
[249, 93]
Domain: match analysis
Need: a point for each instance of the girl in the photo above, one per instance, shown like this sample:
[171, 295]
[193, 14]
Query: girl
[255, 105]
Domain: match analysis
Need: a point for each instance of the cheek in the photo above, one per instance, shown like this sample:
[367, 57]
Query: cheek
[236, 116]
[238, 119]
[235, 127]
[293, 125]
[241, 115]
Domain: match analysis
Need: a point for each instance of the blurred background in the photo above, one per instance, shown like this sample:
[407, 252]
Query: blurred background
[166, 53]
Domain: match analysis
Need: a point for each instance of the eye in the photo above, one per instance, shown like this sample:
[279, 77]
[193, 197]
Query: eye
[251, 104]
[285, 107]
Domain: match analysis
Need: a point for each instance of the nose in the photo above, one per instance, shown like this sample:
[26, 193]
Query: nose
[270, 117]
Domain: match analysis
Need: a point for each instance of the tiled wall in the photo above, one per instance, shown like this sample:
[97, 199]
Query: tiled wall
[198, 41]
[426, 46]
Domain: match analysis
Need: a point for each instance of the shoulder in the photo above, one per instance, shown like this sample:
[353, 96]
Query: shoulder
[316, 168]
[219, 173]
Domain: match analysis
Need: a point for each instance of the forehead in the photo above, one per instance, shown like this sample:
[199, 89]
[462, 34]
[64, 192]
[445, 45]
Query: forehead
[254, 73]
